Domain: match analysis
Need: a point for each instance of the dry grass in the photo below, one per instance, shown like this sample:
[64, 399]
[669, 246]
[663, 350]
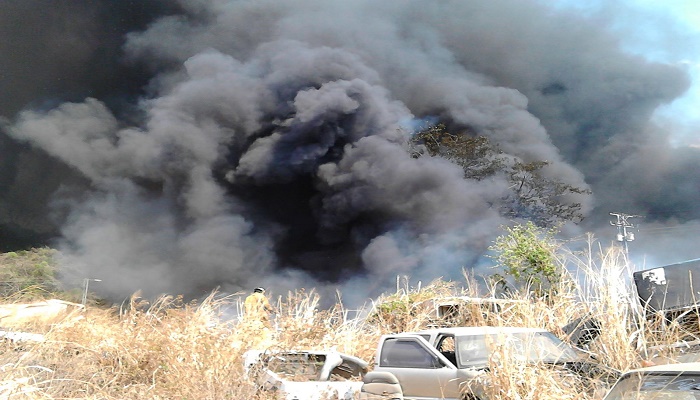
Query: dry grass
[172, 349]
[515, 380]
[168, 349]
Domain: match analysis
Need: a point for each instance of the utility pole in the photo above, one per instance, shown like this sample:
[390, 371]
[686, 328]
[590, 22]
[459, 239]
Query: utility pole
[623, 225]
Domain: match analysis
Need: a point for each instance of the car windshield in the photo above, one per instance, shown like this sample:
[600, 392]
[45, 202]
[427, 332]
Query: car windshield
[474, 350]
[657, 386]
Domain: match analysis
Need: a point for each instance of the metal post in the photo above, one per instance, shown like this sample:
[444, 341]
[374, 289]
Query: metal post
[86, 283]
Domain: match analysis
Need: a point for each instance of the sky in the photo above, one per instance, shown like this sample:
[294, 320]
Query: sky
[664, 31]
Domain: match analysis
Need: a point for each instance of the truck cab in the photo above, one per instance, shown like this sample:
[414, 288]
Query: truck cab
[445, 363]
[422, 370]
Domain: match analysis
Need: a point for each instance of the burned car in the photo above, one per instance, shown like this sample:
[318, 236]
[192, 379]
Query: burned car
[308, 375]
[671, 381]
[462, 310]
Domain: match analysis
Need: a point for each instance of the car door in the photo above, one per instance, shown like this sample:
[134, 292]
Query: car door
[422, 371]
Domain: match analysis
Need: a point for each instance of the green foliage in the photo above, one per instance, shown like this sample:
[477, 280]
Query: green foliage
[528, 254]
[28, 274]
[410, 308]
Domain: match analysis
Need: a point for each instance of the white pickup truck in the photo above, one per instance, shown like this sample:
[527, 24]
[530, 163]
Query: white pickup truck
[443, 363]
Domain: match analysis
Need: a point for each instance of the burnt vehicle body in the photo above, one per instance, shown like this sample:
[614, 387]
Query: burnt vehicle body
[307, 375]
[460, 310]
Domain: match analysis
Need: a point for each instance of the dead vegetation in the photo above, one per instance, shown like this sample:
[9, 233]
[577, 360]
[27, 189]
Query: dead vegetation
[175, 349]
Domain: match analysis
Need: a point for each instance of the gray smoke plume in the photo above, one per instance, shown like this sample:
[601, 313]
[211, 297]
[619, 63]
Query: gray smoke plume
[52, 52]
[269, 146]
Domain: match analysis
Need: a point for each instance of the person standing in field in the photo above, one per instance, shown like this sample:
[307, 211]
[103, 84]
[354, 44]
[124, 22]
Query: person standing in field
[257, 307]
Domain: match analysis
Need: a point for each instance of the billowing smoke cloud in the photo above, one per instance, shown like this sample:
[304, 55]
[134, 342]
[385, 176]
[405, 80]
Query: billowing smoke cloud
[270, 144]
[51, 53]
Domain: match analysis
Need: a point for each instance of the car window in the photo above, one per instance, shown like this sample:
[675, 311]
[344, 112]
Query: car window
[446, 346]
[446, 343]
[401, 353]
[474, 350]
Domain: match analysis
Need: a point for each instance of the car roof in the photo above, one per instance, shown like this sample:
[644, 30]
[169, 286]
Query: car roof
[479, 330]
[690, 367]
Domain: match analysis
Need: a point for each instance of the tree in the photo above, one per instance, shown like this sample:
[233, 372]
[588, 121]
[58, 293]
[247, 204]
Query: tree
[528, 255]
[532, 195]
[539, 199]
[475, 154]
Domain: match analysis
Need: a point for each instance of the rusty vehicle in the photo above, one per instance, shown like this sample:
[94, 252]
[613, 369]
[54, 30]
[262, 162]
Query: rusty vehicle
[308, 374]
[461, 310]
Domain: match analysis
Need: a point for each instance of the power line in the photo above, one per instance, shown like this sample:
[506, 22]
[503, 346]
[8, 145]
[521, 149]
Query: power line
[668, 231]
[685, 229]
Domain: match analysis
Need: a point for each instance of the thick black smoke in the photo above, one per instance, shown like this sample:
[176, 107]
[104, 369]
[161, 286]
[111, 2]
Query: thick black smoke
[269, 144]
[53, 52]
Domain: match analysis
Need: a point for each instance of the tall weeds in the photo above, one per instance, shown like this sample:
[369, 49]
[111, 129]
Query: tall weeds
[175, 349]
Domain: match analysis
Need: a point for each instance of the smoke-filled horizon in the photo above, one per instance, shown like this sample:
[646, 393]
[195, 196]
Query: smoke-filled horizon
[233, 144]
